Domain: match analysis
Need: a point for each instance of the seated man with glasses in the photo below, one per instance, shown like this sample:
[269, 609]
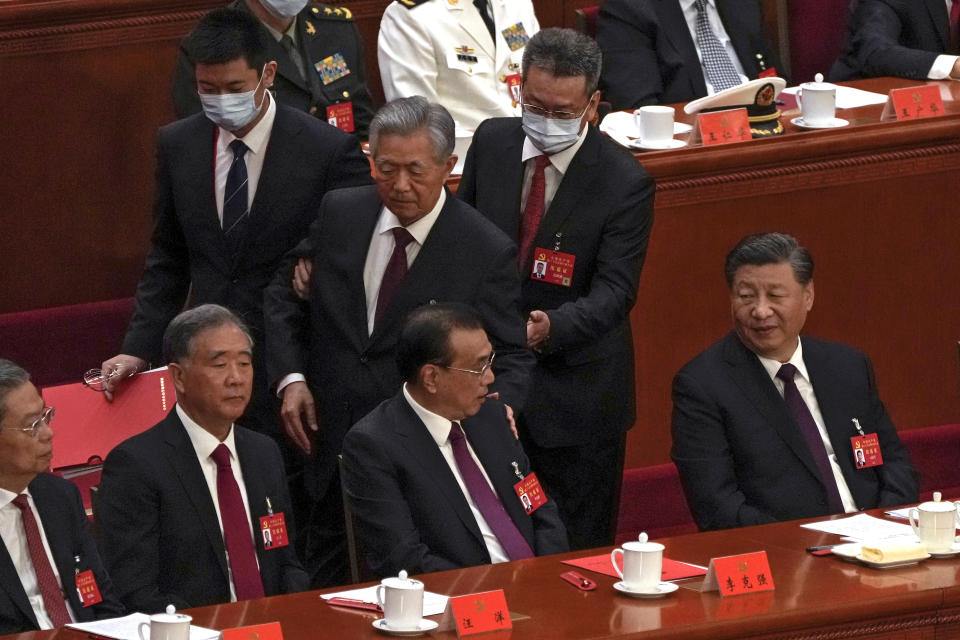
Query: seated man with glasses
[432, 472]
[50, 571]
[582, 204]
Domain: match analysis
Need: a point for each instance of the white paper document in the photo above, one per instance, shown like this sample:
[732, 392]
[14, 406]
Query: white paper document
[863, 527]
[433, 603]
[127, 628]
[849, 98]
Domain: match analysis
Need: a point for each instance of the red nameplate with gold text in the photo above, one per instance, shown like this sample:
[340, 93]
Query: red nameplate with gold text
[721, 127]
[910, 103]
[269, 631]
[479, 612]
[740, 574]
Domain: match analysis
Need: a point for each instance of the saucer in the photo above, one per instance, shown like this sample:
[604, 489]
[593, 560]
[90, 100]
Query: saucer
[422, 627]
[832, 123]
[892, 565]
[954, 551]
[658, 146]
[661, 590]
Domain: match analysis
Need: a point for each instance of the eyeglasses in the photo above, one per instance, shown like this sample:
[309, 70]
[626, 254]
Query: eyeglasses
[45, 419]
[483, 369]
[554, 115]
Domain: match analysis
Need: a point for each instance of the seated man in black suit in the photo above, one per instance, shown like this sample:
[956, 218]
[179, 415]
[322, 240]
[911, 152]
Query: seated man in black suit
[320, 62]
[664, 51]
[763, 419]
[40, 584]
[183, 504]
[905, 38]
[431, 472]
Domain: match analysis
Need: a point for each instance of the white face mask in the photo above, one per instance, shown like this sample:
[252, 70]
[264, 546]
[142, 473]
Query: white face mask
[284, 8]
[232, 111]
[550, 135]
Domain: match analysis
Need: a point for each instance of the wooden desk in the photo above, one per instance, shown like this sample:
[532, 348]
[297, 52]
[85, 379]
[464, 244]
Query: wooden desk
[816, 597]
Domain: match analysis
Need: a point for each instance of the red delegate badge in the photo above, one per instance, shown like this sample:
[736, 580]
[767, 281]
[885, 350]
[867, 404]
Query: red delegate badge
[530, 493]
[273, 531]
[87, 588]
[866, 451]
[513, 84]
[553, 267]
[340, 115]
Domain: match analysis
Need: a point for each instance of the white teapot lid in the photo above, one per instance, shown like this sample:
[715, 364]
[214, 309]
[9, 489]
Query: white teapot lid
[401, 582]
[643, 544]
[818, 83]
[936, 505]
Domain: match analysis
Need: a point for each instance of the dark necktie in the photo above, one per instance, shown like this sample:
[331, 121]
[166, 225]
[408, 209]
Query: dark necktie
[49, 587]
[236, 530]
[235, 195]
[808, 427]
[481, 6]
[533, 211]
[394, 274]
[955, 26]
[287, 43]
[720, 70]
[486, 500]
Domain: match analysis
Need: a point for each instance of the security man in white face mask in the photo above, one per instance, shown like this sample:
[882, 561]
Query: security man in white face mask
[320, 62]
[237, 187]
[582, 204]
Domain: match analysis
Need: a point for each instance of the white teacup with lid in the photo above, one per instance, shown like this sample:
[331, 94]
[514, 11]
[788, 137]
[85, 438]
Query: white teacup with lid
[935, 523]
[401, 599]
[642, 564]
[166, 626]
[818, 101]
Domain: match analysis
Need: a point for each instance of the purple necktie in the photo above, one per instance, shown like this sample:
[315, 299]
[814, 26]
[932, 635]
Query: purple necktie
[808, 427]
[486, 500]
[394, 274]
[236, 530]
[49, 587]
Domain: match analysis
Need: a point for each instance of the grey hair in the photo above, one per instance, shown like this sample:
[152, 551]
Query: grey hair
[183, 330]
[405, 116]
[770, 248]
[564, 53]
[12, 376]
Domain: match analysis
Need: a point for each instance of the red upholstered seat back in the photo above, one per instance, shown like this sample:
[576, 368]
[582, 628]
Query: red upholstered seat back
[652, 500]
[935, 452]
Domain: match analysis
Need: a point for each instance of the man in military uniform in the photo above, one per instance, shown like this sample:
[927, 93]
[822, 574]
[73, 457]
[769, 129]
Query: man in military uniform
[479, 43]
[319, 56]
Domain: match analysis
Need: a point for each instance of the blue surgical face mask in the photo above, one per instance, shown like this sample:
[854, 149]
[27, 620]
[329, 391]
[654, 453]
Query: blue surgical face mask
[550, 135]
[232, 111]
[284, 8]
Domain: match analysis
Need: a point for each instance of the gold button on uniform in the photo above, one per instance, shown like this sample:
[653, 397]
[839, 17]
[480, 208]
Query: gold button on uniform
[313, 110]
[346, 94]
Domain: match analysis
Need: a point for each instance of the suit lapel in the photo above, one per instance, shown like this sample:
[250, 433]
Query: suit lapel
[758, 388]
[11, 585]
[504, 209]
[678, 33]
[472, 25]
[730, 14]
[941, 21]
[828, 386]
[423, 448]
[256, 493]
[198, 179]
[56, 523]
[183, 459]
[354, 244]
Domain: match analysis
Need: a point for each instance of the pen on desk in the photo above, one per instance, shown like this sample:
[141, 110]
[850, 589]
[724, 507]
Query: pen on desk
[354, 604]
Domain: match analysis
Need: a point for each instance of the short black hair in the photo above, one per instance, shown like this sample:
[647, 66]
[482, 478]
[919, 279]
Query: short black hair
[770, 248]
[425, 337]
[224, 35]
[564, 53]
[183, 329]
[12, 376]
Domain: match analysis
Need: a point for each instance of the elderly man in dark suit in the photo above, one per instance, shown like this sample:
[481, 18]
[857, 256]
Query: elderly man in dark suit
[664, 51]
[378, 252]
[917, 39]
[430, 473]
[41, 585]
[183, 504]
[237, 187]
[320, 62]
[584, 206]
[763, 419]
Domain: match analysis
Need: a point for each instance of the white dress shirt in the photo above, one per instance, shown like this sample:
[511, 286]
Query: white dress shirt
[552, 173]
[690, 13]
[439, 428]
[204, 443]
[943, 64]
[256, 140]
[15, 540]
[804, 386]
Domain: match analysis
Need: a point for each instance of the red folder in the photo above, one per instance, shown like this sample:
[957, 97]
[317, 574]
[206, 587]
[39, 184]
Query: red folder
[672, 570]
[87, 426]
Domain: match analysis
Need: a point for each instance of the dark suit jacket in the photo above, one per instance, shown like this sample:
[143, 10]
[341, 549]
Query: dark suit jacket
[583, 385]
[333, 31]
[67, 528]
[649, 56]
[893, 38]
[411, 513]
[464, 259]
[305, 158]
[159, 533]
[743, 460]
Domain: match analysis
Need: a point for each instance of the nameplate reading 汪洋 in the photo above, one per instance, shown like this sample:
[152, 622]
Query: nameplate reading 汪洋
[477, 613]
[268, 631]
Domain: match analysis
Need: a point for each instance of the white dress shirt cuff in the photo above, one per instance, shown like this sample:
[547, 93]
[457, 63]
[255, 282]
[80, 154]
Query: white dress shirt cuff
[942, 67]
[289, 379]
